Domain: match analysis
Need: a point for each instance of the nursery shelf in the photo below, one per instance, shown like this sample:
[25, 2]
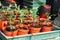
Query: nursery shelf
[38, 36]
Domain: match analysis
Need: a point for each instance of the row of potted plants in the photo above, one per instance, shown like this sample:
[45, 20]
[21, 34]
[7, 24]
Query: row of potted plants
[23, 21]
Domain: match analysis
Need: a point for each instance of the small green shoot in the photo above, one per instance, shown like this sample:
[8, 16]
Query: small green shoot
[0, 4]
[9, 7]
[33, 12]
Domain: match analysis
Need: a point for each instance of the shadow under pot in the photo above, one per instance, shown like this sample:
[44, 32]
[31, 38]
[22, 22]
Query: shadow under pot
[47, 28]
[35, 29]
[23, 31]
[10, 32]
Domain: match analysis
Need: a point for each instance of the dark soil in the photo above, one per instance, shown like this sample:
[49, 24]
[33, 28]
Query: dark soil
[23, 28]
[35, 26]
[8, 29]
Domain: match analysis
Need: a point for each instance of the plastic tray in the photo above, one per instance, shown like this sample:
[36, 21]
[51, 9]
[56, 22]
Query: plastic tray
[38, 36]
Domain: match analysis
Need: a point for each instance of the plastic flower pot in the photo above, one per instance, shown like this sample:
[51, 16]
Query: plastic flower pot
[2, 23]
[9, 32]
[34, 30]
[26, 26]
[23, 31]
[42, 21]
[14, 33]
[27, 23]
[47, 28]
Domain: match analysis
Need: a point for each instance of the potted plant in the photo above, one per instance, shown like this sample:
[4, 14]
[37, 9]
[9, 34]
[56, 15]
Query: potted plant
[10, 30]
[4, 19]
[34, 28]
[47, 24]
[3, 22]
[22, 30]
[28, 18]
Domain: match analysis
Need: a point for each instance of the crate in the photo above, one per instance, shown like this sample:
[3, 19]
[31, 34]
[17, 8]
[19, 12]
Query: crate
[38, 36]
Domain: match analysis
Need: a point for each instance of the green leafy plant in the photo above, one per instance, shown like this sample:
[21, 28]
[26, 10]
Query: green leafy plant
[22, 15]
[18, 8]
[2, 9]
[15, 6]
[10, 21]
[0, 16]
[0, 4]
[33, 12]
[25, 9]
[9, 7]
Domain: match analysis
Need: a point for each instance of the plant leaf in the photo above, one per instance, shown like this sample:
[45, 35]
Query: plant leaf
[18, 8]
[15, 6]
[3, 10]
[33, 12]
[49, 17]
[22, 15]
[10, 15]
[9, 7]
[25, 7]
[0, 16]
[12, 27]
[0, 4]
